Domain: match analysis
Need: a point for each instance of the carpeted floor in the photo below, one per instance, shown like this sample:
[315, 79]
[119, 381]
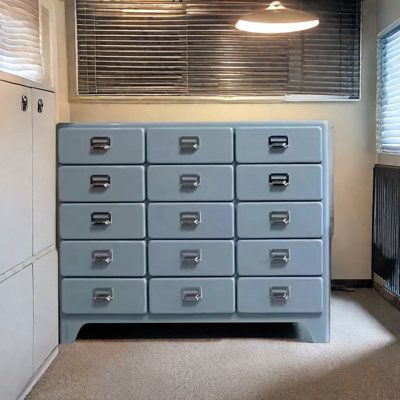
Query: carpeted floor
[361, 362]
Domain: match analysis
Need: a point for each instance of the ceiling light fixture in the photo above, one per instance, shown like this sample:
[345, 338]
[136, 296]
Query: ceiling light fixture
[277, 19]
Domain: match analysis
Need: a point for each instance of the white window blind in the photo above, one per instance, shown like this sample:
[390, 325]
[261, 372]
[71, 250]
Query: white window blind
[389, 93]
[20, 51]
[191, 48]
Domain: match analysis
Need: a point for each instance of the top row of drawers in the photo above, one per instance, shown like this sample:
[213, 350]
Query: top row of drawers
[115, 144]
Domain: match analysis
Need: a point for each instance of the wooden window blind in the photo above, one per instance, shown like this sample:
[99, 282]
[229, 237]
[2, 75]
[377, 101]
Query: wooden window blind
[191, 48]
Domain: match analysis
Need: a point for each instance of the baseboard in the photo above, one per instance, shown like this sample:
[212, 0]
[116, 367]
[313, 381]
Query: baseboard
[386, 294]
[352, 283]
[39, 373]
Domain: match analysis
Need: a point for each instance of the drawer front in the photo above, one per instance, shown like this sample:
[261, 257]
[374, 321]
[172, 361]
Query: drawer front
[102, 221]
[279, 182]
[103, 296]
[192, 296]
[103, 258]
[191, 221]
[190, 183]
[191, 258]
[280, 295]
[279, 220]
[190, 145]
[111, 144]
[101, 184]
[279, 144]
[279, 257]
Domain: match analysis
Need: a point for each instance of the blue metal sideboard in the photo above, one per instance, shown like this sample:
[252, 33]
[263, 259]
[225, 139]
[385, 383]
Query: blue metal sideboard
[205, 222]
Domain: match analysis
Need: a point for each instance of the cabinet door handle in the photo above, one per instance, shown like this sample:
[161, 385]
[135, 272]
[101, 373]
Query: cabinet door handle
[100, 143]
[278, 142]
[101, 218]
[189, 181]
[103, 295]
[280, 294]
[279, 217]
[190, 219]
[102, 256]
[100, 181]
[192, 295]
[189, 144]
[24, 103]
[40, 106]
[279, 256]
[190, 257]
[281, 180]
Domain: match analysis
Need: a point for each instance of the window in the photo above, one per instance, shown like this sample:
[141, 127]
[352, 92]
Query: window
[191, 48]
[389, 91]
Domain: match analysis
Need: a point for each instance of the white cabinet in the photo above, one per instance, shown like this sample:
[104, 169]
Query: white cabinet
[44, 190]
[15, 175]
[16, 345]
[45, 288]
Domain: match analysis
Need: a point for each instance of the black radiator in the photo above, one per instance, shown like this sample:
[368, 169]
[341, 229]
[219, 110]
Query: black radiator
[386, 226]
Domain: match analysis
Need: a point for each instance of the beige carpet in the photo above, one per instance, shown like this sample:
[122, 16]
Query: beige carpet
[361, 362]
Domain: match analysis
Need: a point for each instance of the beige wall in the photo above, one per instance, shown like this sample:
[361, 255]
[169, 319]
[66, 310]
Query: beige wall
[354, 146]
[388, 11]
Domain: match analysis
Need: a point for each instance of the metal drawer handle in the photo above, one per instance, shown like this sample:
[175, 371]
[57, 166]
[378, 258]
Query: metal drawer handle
[278, 142]
[189, 181]
[190, 219]
[189, 144]
[280, 293]
[192, 295]
[103, 295]
[100, 181]
[190, 257]
[100, 143]
[279, 256]
[279, 217]
[24, 103]
[279, 180]
[101, 218]
[102, 256]
[40, 106]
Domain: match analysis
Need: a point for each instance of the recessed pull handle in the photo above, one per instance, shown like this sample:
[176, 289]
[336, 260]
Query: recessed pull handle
[190, 219]
[101, 218]
[278, 142]
[189, 181]
[280, 294]
[102, 256]
[190, 258]
[192, 295]
[189, 144]
[100, 181]
[103, 295]
[280, 180]
[100, 143]
[279, 256]
[279, 217]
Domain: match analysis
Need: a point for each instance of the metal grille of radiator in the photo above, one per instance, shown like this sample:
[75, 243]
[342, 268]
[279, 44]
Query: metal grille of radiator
[386, 226]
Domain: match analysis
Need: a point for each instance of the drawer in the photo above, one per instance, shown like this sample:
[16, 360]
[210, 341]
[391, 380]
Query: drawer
[279, 220]
[190, 183]
[102, 221]
[103, 258]
[192, 295]
[279, 182]
[190, 145]
[284, 144]
[191, 258]
[280, 295]
[106, 144]
[191, 221]
[101, 184]
[103, 296]
[279, 257]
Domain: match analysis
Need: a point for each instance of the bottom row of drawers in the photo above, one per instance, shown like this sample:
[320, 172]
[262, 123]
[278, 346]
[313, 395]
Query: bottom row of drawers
[192, 295]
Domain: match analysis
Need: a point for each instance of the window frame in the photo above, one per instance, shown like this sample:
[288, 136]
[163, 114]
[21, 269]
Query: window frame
[74, 96]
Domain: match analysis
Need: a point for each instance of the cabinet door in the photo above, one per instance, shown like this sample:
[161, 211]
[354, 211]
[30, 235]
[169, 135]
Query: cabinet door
[45, 288]
[15, 175]
[16, 323]
[44, 190]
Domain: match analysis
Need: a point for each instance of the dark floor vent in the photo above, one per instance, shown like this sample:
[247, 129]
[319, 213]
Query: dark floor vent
[386, 226]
